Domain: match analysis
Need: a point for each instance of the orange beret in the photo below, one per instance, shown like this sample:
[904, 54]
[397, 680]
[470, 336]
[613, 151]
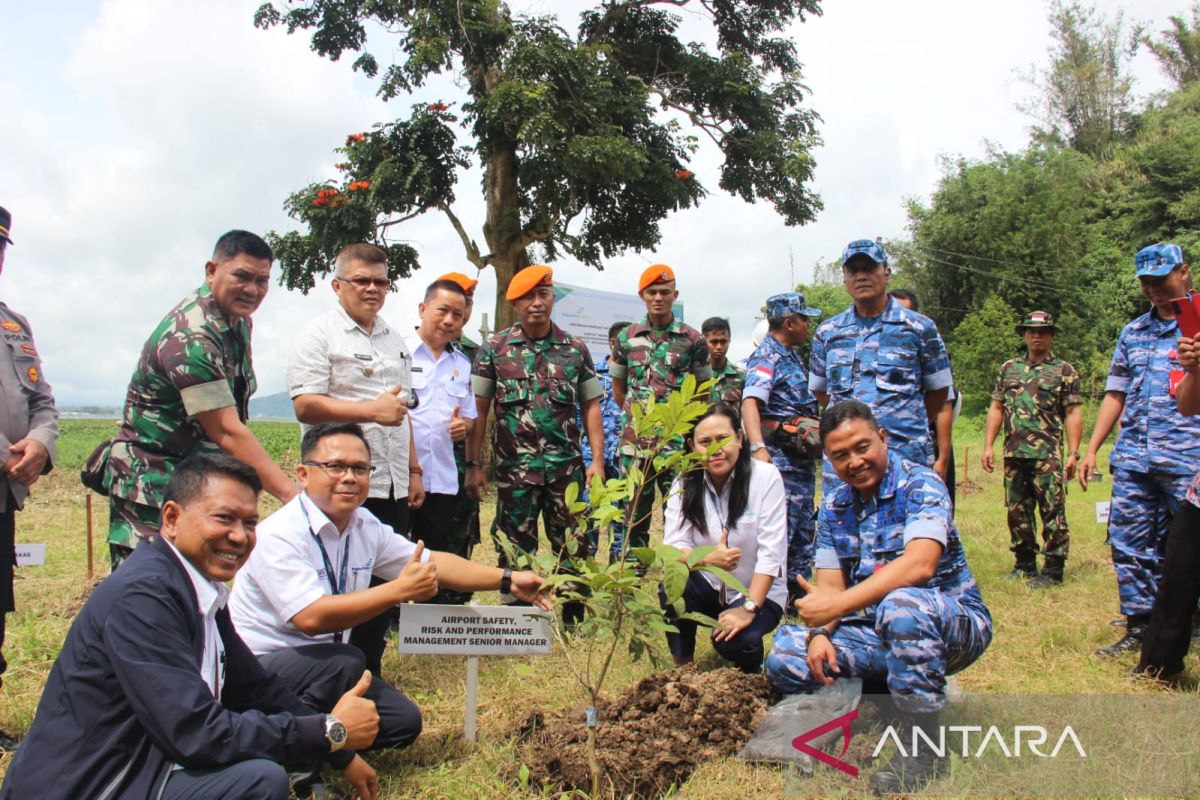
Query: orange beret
[468, 284]
[658, 273]
[529, 279]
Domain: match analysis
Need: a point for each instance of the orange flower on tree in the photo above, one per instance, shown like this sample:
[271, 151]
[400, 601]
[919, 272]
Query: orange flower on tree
[438, 107]
[355, 137]
[324, 196]
[357, 186]
[682, 174]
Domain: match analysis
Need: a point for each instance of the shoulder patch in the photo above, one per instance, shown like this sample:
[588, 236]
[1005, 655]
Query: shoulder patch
[9, 325]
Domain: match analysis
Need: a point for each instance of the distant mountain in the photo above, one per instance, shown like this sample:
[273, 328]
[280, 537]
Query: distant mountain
[272, 406]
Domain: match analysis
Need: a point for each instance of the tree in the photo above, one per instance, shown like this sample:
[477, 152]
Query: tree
[1085, 95]
[584, 140]
[1178, 51]
[981, 343]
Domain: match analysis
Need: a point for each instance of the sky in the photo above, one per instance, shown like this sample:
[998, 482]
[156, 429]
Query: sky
[135, 132]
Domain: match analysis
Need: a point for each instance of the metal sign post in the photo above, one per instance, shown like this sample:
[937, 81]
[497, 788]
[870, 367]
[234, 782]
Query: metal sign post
[473, 631]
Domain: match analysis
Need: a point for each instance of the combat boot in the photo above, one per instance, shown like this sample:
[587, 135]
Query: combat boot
[1135, 632]
[1052, 573]
[1026, 566]
[905, 774]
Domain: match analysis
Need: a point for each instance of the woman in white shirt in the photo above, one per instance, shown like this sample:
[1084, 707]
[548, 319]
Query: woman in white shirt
[737, 504]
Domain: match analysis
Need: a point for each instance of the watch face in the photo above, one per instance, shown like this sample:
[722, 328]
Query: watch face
[336, 732]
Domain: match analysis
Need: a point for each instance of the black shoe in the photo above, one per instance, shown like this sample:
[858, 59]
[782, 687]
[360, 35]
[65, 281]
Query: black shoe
[1025, 568]
[1132, 640]
[905, 774]
[308, 786]
[7, 743]
[1052, 573]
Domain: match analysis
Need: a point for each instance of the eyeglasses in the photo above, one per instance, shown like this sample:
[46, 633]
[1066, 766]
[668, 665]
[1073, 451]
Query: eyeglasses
[336, 469]
[363, 283]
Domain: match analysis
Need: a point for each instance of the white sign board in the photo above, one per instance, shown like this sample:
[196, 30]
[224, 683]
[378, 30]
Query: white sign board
[474, 630]
[1102, 512]
[588, 314]
[31, 555]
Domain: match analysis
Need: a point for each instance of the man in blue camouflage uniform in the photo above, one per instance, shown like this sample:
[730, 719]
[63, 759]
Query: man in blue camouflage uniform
[879, 352]
[778, 411]
[1156, 453]
[894, 598]
[614, 423]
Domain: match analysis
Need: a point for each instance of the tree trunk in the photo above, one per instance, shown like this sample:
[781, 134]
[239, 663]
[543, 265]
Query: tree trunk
[502, 229]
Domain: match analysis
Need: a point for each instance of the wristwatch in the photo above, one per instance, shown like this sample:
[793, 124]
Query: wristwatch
[335, 733]
[506, 581]
[814, 633]
[756, 446]
[750, 605]
[418, 470]
[473, 463]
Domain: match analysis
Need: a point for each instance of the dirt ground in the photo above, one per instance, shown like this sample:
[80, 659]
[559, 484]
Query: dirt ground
[651, 736]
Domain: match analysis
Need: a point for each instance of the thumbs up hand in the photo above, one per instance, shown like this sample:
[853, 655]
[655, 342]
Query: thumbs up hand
[724, 556]
[417, 581]
[458, 425]
[818, 607]
[389, 408]
[358, 714]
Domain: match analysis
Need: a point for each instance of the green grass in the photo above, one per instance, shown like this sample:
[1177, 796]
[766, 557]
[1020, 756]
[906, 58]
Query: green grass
[1043, 640]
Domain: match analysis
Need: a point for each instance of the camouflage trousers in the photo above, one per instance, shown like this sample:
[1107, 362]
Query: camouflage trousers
[129, 524]
[1029, 482]
[1143, 505]
[799, 484]
[919, 637]
[518, 507]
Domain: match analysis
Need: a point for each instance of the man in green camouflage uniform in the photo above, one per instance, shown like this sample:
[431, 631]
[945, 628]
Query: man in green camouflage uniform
[729, 377]
[535, 376]
[651, 359]
[191, 392]
[1033, 397]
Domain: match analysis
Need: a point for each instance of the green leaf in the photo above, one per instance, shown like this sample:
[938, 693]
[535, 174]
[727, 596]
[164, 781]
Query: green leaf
[675, 577]
[726, 578]
[703, 619]
[700, 553]
[523, 776]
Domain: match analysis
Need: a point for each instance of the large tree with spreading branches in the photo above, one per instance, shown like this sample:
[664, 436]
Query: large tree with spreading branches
[584, 139]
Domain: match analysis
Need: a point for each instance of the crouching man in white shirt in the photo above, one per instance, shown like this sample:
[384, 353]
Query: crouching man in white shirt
[307, 582]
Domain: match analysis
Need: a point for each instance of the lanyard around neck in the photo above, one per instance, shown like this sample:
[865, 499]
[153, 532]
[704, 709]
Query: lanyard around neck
[339, 584]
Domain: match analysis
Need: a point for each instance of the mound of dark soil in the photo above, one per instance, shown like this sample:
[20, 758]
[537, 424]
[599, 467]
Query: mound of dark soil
[653, 735]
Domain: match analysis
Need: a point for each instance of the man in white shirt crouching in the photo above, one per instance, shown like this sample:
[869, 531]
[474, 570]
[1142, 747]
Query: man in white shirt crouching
[308, 581]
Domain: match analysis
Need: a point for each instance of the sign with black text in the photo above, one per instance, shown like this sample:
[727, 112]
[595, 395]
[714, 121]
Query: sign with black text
[31, 555]
[474, 630]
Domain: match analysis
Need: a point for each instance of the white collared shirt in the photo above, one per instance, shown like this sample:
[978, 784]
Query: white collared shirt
[441, 384]
[211, 597]
[760, 532]
[286, 573]
[333, 356]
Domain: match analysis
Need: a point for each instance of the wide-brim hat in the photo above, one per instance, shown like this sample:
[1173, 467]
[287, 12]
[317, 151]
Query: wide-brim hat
[5, 225]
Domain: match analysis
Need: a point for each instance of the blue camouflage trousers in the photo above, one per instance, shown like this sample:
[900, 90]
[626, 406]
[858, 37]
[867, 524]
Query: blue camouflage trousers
[919, 637]
[1143, 505]
[800, 484]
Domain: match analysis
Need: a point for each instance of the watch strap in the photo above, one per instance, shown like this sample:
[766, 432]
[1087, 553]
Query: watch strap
[506, 581]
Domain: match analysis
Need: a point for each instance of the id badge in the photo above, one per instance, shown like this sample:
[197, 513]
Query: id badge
[1176, 377]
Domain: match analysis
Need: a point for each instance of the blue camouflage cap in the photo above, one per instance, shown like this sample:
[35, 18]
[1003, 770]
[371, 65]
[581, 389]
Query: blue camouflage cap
[1157, 260]
[865, 247]
[782, 305]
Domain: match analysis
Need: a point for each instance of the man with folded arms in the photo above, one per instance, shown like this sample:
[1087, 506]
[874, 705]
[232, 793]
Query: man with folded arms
[308, 583]
[155, 695]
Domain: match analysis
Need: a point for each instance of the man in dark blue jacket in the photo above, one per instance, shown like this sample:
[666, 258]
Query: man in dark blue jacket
[155, 696]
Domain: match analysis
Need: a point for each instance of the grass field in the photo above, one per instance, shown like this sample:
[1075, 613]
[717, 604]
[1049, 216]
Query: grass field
[1043, 642]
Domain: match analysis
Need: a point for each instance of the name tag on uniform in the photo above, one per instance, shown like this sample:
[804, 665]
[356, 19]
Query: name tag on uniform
[1176, 377]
